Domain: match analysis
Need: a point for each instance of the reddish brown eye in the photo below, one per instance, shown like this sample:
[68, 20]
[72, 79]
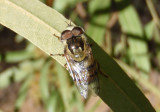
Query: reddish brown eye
[66, 35]
[77, 31]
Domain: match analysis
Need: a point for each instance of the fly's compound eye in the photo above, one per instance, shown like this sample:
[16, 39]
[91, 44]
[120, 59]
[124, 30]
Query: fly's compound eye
[66, 35]
[77, 31]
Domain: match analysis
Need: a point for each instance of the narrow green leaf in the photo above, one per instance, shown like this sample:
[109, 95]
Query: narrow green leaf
[63, 85]
[118, 91]
[17, 56]
[23, 92]
[44, 82]
[52, 102]
[139, 79]
[37, 22]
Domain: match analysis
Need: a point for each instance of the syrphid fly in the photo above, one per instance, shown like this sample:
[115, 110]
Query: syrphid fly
[80, 61]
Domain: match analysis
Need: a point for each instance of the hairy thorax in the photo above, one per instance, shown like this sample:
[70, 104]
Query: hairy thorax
[76, 48]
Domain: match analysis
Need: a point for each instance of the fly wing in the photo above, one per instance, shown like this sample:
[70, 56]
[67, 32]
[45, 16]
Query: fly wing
[79, 76]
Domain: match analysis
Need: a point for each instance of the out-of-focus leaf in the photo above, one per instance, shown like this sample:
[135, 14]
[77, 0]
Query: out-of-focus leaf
[23, 92]
[64, 88]
[19, 74]
[63, 5]
[149, 28]
[74, 101]
[16, 56]
[140, 80]
[120, 47]
[80, 105]
[26, 68]
[52, 102]
[19, 38]
[98, 10]
[5, 77]
[60, 103]
[131, 26]
[38, 64]
[44, 82]
[63, 83]
[78, 21]
[29, 66]
[156, 34]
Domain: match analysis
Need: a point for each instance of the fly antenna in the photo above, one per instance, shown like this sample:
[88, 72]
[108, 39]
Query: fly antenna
[70, 23]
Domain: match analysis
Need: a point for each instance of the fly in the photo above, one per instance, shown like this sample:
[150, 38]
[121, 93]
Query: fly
[79, 60]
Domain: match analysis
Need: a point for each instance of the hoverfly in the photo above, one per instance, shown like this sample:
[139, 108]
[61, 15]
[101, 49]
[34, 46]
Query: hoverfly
[80, 62]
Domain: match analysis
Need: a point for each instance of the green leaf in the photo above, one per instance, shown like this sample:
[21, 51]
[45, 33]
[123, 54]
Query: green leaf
[44, 82]
[63, 85]
[23, 92]
[52, 102]
[17, 56]
[37, 23]
[140, 80]
[5, 77]
[63, 5]
[118, 91]
[97, 25]
[34, 21]
[131, 26]
[149, 28]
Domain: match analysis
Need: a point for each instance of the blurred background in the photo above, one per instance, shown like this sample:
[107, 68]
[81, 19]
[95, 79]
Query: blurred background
[129, 31]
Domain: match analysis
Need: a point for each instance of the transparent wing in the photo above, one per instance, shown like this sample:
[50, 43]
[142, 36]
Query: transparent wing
[79, 76]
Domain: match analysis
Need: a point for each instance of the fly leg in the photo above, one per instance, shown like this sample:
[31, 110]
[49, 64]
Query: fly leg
[69, 24]
[59, 38]
[65, 65]
[57, 55]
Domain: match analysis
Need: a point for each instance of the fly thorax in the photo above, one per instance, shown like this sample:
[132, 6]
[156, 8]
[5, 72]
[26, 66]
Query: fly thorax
[76, 47]
[78, 54]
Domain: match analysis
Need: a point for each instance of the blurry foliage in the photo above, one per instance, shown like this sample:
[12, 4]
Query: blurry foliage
[118, 26]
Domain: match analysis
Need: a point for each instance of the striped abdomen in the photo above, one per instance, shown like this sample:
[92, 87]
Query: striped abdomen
[87, 70]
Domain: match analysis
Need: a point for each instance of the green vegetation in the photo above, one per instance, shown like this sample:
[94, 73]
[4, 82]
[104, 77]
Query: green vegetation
[117, 26]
